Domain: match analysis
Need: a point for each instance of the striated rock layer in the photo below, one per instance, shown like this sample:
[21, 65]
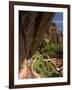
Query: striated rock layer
[32, 28]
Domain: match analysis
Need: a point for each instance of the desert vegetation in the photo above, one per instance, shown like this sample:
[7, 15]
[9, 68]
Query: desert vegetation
[44, 58]
[40, 46]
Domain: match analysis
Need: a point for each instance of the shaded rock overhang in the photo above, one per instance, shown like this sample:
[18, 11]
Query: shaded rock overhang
[32, 28]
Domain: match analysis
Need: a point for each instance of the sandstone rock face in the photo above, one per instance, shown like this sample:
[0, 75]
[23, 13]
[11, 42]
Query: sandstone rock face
[32, 28]
[54, 34]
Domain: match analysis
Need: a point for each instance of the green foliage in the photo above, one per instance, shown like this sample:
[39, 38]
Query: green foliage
[41, 65]
[51, 49]
[44, 68]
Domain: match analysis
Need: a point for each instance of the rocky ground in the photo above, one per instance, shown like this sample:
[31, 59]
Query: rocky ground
[27, 71]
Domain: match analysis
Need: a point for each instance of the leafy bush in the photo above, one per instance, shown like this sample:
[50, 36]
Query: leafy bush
[51, 49]
[41, 65]
[44, 68]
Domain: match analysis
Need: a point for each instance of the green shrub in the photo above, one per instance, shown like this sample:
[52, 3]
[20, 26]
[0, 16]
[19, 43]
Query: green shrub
[44, 68]
[51, 49]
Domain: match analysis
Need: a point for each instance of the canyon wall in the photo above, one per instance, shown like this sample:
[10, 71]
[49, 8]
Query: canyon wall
[32, 28]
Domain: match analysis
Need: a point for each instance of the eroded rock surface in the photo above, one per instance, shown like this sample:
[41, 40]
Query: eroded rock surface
[32, 27]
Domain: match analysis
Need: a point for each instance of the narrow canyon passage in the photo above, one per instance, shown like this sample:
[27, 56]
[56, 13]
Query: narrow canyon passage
[32, 28]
